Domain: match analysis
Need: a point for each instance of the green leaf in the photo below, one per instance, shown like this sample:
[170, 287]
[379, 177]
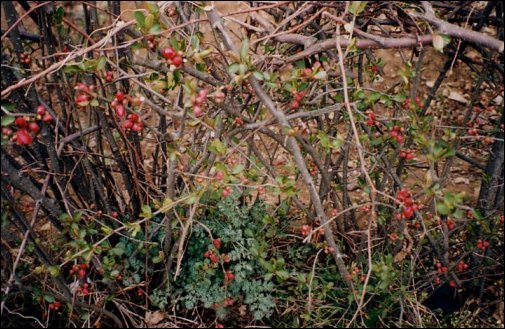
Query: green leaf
[376, 141]
[407, 72]
[106, 230]
[221, 167]
[217, 147]
[159, 258]
[485, 227]
[136, 45]
[101, 63]
[443, 209]
[282, 275]
[359, 94]
[374, 96]
[244, 48]
[266, 265]
[258, 75]
[458, 213]
[460, 197]
[152, 7]
[9, 106]
[7, 120]
[477, 214]
[324, 139]
[58, 15]
[238, 169]
[139, 16]
[195, 42]
[72, 68]
[242, 69]
[383, 285]
[321, 75]
[268, 276]
[167, 205]
[61, 30]
[133, 228]
[49, 299]
[155, 29]
[300, 64]
[233, 68]
[192, 198]
[54, 270]
[175, 43]
[118, 251]
[400, 97]
[248, 233]
[356, 7]
[146, 212]
[149, 21]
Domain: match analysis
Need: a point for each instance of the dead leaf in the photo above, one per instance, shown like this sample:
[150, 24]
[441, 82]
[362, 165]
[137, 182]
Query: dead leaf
[46, 227]
[461, 180]
[348, 27]
[242, 310]
[153, 318]
[352, 186]
[408, 243]
[455, 96]
[438, 42]
[498, 100]
[400, 256]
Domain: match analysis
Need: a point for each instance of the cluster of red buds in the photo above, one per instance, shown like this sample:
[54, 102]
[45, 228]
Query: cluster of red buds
[298, 96]
[198, 101]
[133, 123]
[407, 154]
[482, 244]
[55, 305]
[229, 276]
[84, 290]
[462, 266]
[172, 11]
[397, 134]
[226, 191]
[409, 207]
[451, 225]
[79, 270]
[25, 57]
[371, 118]
[83, 96]
[213, 257]
[109, 76]
[172, 56]
[23, 136]
[305, 230]
[151, 42]
[408, 103]
[441, 269]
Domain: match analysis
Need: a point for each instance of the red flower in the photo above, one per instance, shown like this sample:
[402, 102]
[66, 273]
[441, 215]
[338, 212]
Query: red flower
[23, 137]
[229, 276]
[168, 53]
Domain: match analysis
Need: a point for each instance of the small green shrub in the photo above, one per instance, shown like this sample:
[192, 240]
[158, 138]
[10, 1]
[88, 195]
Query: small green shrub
[231, 275]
